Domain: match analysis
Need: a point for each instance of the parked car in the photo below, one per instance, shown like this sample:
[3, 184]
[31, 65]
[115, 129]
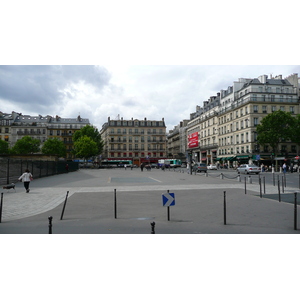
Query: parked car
[248, 169]
[212, 167]
[200, 167]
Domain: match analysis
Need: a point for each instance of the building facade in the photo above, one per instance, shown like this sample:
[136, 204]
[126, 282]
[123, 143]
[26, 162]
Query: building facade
[224, 129]
[14, 126]
[140, 141]
[177, 141]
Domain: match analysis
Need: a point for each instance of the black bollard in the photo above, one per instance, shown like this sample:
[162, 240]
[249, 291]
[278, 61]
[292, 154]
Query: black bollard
[282, 184]
[115, 203]
[1, 204]
[50, 224]
[273, 179]
[152, 228]
[264, 179]
[260, 192]
[224, 207]
[63, 211]
[295, 211]
[279, 190]
[245, 185]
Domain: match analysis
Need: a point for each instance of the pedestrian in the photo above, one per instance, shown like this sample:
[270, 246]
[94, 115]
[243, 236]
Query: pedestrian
[142, 167]
[125, 166]
[284, 168]
[26, 177]
[67, 168]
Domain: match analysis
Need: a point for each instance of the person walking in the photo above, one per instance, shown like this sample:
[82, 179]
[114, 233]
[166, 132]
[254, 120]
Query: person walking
[26, 177]
[284, 168]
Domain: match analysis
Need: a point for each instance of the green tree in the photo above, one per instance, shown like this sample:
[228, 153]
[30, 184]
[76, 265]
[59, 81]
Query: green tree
[92, 133]
[296, 131]
[3, 147]
[85, 147]
[54, 146]
[26, 145]
[275, 128]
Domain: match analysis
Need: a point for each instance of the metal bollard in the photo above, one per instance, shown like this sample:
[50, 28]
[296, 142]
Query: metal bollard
[224, 207]
[115, 201]
[50, 224]
[1, 204]
[63, 211]
[295, 211]
[279, 190]
[152, 227]
[249, 179]
[260, 190]
[239, 178]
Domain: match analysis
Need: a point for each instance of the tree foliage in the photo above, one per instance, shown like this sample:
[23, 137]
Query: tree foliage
[92, 133]
[296, 131]
[26, 145]
[54, 146]
[85, 147]
[275, 128]
[4, 147]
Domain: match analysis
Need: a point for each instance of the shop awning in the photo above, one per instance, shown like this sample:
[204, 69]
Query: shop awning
[203, 159]
[232, 158]
[218, 158]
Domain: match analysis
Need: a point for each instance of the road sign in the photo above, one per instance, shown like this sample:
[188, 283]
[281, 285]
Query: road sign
[297, 157]
[168, 199]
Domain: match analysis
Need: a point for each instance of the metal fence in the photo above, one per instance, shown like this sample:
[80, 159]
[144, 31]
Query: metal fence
[11, 169]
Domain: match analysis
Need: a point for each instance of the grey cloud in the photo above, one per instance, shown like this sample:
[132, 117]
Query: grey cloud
[42, 85]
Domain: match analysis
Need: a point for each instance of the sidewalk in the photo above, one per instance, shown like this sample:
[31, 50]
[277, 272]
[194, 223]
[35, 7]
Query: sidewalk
[199, 206]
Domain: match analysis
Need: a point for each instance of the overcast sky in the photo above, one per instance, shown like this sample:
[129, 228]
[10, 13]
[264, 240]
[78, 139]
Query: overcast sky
[98, 92]
[135, 60]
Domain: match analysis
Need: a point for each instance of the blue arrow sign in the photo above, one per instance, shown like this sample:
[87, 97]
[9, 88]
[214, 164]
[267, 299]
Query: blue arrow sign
[168, 199]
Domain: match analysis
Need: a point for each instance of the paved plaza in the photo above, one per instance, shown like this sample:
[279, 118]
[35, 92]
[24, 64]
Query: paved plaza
[119, 201]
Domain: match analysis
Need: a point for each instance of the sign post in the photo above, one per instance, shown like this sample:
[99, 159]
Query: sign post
[168, 200]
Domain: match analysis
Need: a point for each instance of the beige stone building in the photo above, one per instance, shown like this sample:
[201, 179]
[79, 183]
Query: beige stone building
[226, 125]
[136, 141]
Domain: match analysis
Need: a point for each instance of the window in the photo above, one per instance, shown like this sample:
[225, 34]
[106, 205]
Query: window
[255, 121]
[273, 108]
[264, 109]
[282, 108]
[292, 109]
[255, 108]
[272, 98]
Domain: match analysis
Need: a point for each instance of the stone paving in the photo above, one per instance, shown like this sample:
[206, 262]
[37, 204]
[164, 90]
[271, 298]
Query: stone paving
[198, 209]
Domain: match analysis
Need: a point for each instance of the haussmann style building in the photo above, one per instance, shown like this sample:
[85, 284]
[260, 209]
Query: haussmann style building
[133, 141]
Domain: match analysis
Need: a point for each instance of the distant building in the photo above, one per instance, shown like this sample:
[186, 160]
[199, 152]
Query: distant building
[16, 125]
[140, 141]
[177, 141]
